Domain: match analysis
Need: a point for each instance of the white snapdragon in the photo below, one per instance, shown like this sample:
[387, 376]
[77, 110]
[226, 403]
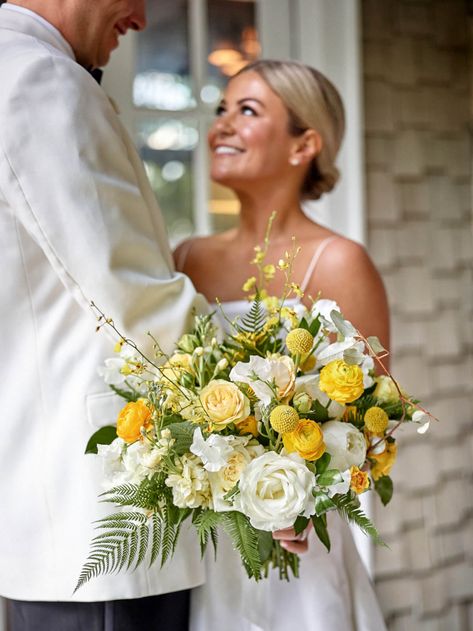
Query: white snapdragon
[345, 443]
[269, 377]
[323, 308]
[274, 490]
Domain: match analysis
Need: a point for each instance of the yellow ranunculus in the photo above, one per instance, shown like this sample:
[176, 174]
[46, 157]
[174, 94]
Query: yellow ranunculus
[307, 440]
[342, 382]
[383, 461]
[248, 425]
[224, 403]
[359, 480]
[131, 419]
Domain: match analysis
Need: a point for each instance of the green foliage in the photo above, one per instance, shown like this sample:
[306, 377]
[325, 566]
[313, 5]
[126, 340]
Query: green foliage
[300, 524]
[183, 434]
[329, 477]
[320, 527]
[384, 488]
[323, 503]
[348, 507]
[129, 395]
[323, 462]
[254, 320]
[103, 436]
[320, 412]
[245, 540]
[265, 545]
[206, 522]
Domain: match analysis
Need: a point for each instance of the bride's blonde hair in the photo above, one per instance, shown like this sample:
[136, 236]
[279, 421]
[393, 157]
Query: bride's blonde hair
[313, 102]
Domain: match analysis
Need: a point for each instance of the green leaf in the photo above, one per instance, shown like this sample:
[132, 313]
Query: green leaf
[323, 462]
[346, 328]
[265, 545]
[323, 503]
[205, 522]
[352, 356]
[300, 524]
[376, 345]
[183, 434]
[329, 477]
[320, 412]
[254, 320]
[245, 540]
[384, 488]
[128, 395]
[103, 436]
[320, 527]
[315, 327]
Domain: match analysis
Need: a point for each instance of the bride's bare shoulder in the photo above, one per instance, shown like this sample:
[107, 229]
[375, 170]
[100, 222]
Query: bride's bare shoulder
[190, 250]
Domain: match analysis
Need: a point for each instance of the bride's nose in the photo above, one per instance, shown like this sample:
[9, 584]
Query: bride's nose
[224, 125]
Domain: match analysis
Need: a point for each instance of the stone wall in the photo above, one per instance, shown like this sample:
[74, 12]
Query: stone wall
[418, 162]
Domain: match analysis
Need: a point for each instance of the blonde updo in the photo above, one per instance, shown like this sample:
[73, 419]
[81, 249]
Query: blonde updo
[313, 102]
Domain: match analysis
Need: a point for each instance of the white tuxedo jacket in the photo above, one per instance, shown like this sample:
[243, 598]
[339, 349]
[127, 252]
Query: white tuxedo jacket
[78, 222]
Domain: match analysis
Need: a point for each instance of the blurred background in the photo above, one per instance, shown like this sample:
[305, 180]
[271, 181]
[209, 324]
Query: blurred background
[404, 70]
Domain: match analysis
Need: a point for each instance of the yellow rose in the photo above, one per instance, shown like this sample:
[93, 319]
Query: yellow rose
[342, 382]
[131, 419]
[248, 425]
[383, 461]
[359, 480]
[307, 440]
[224, 403]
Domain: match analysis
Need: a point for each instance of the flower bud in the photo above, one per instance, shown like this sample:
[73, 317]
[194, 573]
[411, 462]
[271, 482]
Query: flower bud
[199, 351]
[222, 364]
[302, 402]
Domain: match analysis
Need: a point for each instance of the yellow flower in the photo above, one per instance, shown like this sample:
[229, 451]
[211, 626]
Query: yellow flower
[249, 284]
[284, 419]
[248, 425]
[386, 390]
[307, 440]
[376, 420]
[383, 461]
[342, 382]
[359, 480]
[224, 403]
[131, 419]
[299, 341]
[309, 364]
[269, 271]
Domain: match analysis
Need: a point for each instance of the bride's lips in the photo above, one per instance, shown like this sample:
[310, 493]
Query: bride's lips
[227, 150]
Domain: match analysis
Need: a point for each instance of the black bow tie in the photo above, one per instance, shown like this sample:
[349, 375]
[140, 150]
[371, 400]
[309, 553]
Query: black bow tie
[96, 73]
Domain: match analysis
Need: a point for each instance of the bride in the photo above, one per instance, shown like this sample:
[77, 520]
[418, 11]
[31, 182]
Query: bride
[274, 143]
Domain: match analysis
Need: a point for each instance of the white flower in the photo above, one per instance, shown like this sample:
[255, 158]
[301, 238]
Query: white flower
[310, 385]
[190, 486]
[274, 490]
[112, 464]
[324, 308]
[423, 419]
[213, 451]
[345, 443]
[124, 463]
[268, 377]
[110, 371]
[340, 487]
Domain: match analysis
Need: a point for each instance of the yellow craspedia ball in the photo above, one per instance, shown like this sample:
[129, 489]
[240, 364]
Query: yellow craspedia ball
[299, 341]
[284, 419]
[376, 420]
[341, 382]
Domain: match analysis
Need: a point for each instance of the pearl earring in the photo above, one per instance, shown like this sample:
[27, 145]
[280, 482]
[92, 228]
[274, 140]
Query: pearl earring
[294, 161]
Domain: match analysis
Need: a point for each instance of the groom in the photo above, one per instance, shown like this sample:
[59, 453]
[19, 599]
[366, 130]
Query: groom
[78, 222]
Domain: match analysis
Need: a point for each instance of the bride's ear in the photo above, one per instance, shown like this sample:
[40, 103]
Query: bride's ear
[307, 146]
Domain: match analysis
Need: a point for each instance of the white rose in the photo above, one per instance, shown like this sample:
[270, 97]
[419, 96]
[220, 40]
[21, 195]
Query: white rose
[274, 490]
[310, 385]
[268, 377]
[345, 444]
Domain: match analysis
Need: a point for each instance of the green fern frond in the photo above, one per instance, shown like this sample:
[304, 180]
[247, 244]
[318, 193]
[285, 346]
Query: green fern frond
[245, 540]
[255, 320]
[348, 507]
[156, 536]
[206, 523]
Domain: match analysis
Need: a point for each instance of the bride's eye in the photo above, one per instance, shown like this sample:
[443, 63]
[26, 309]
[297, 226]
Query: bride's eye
[220, 110]
[246, 110]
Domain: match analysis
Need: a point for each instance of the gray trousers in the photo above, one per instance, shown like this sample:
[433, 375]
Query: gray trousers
[167, 612]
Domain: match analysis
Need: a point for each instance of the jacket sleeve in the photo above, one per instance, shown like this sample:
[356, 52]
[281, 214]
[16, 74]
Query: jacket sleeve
[75, 182]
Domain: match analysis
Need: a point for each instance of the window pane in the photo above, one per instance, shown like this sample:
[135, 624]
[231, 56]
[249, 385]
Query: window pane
[233, 39]
[162, 79]
[166, 147]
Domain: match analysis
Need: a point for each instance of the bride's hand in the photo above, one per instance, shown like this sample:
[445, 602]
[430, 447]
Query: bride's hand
[292, 542]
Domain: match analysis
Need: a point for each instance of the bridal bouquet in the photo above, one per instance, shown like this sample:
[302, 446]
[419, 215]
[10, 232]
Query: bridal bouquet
[269, 426]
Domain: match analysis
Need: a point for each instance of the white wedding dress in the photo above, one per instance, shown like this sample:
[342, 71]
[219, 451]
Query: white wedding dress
[333, 592]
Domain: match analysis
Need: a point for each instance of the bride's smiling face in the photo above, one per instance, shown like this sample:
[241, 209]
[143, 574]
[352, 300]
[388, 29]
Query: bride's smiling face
[249, 140]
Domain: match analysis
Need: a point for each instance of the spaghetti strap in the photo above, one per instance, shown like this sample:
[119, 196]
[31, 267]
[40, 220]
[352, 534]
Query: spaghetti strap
[183, 254]
[315, 259]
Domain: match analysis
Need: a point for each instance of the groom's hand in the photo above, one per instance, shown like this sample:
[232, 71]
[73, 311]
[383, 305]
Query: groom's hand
[292, 542]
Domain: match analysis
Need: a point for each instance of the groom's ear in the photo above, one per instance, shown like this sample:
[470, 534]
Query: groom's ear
[308, 145]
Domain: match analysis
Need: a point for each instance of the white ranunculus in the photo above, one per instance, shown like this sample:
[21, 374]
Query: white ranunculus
[274, 490]
[345, 443]
[310, 385]
[269, 377]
